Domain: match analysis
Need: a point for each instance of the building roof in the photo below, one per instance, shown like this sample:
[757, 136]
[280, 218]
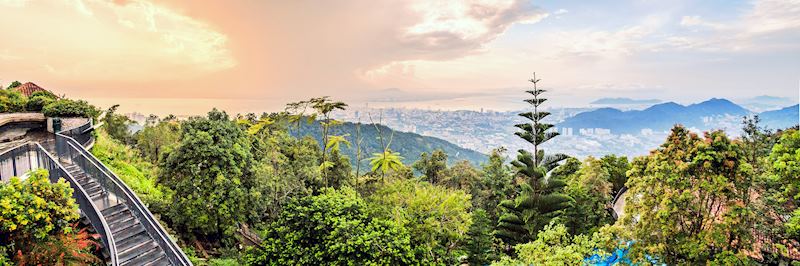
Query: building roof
[28, 89]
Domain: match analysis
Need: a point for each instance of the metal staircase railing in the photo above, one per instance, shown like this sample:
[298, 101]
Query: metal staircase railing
[32, 155]
[70, 146]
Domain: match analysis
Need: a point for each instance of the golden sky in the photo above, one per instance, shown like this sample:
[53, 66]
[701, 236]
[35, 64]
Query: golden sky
[272, 52]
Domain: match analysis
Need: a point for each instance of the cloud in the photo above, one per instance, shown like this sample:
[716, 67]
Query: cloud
[769, 23]
[692, 21]
[462, 27]
[446, 30]
[124, 41]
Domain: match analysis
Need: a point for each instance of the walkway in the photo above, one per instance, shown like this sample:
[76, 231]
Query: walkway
[130, 235]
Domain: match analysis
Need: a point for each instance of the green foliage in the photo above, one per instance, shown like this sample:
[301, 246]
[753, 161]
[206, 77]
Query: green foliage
[40, 99]
[12, 101]
[617, 167]
[137, 173]
[785, 165]
[333, 228]
[555, 246]
[433, 166]
[36, 223]
[210, 172]
[684, 203]
[386, 162]
[437, 218]
[540, 196]
[32, 209]
[592, 191]
[481, 248]
[36, 103]
[322, 106]
[467, 178]
[338, 171]
[785, 160]
[4, 260]
[70, 108]
[117, 125]
[68, 248]
[44, 93]
[498, 183]
[158, 138]
[14, 84]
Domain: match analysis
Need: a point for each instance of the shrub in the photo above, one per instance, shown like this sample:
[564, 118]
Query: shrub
[11, 101]
[34, 208]
[332, 228]
[36, 103]
[64, 249]
[46, 94]
[70, 108]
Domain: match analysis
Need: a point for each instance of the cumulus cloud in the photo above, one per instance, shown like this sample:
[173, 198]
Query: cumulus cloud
[97, 39]
[465, 26]
[451, 29]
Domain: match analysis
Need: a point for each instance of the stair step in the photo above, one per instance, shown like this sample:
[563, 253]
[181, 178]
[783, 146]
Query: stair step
[122, 220]
[93, 188]
[136, 249]
[123, 226]
[111, 213]
[113, 209]
[128, 232]
[97, 195]
[163, 260]
[145, 257]
[131, 242]
[82, 178]
[86, 184]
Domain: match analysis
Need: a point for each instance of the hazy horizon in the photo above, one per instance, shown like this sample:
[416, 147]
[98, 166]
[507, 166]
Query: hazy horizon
[259, 55]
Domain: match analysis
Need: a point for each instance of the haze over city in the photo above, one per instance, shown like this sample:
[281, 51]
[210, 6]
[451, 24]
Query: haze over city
[186, 57]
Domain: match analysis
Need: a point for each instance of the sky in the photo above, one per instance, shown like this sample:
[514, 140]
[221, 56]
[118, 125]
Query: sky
[185, 57]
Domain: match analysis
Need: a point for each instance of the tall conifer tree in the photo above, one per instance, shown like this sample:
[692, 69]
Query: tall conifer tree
[538, 198]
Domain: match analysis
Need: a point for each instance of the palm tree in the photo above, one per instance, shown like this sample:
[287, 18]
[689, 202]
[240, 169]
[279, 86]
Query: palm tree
[386, 161]
[322, 106]
[335, 142]
[539, 196]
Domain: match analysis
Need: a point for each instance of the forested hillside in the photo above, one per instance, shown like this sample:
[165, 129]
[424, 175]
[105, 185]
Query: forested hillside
[409, 145]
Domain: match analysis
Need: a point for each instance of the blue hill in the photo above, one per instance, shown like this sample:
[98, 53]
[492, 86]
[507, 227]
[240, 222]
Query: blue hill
[783, 118]
[660, 117]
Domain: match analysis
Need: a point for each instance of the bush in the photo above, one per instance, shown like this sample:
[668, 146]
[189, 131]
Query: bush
[36, 103]
[437, 218]
[70, 108]
[333, 228]
[34, 208]
[12, 101]
[46, 94]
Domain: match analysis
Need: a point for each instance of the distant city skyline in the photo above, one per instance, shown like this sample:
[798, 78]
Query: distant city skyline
[252, 56]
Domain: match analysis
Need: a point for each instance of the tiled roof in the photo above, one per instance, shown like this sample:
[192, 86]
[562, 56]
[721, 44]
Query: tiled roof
[28, 88]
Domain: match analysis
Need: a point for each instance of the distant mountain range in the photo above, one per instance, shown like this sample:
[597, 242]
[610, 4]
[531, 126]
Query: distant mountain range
[616, 101]
[765, 103]
[662, 117]
[783, 118]
[409, 145]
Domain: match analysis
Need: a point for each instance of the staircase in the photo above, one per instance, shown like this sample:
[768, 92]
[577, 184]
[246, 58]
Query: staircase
[133, 244]
[129, 233]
